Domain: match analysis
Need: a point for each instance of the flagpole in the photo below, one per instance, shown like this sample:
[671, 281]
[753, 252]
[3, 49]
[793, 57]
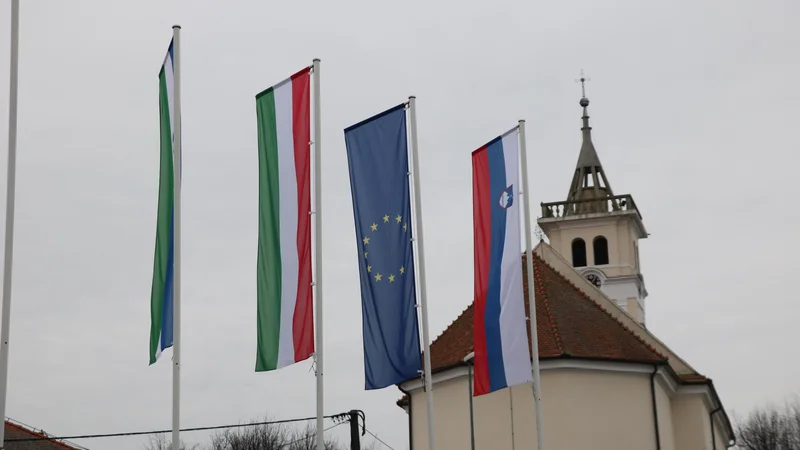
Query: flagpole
[470, 361]
[537, 390]
[178, 170]
[10, 196]
[412, 112]
[318, 251]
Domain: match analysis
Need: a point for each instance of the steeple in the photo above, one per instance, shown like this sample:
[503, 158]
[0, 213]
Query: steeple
[589, 181]
[598, 231]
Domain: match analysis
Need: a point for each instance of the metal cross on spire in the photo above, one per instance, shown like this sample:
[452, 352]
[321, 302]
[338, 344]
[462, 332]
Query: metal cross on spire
[583, 81]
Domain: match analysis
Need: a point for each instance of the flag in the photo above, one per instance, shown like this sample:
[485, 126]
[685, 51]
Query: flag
[377, 156]
[161, 294]
[501, 339]
[284, 295]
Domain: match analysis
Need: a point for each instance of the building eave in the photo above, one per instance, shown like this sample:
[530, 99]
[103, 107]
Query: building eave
[551, 363]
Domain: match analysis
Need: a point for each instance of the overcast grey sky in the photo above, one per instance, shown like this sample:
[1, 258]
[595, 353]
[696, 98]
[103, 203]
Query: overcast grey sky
[694, 108]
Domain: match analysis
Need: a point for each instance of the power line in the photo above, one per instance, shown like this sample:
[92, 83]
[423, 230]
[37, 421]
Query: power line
[139, 433]
[379, 439]
[312, 434]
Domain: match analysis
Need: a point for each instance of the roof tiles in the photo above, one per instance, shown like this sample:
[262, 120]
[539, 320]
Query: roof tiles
[569, 325]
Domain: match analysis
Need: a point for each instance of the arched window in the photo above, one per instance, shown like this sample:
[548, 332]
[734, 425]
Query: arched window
[578, 253]
[600, 245]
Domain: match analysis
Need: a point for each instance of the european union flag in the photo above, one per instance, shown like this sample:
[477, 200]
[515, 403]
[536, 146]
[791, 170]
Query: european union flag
[377, 154]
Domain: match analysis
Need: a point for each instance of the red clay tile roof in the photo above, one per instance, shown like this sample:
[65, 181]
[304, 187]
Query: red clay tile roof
[569, 324]
[15, 431]
[693, 378]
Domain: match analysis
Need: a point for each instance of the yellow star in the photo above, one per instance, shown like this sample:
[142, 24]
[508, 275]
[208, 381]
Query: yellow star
[391, 278]
[366, 240]
[365, 254]
[374, 227]
[398, 219]
[405, 226]
[386, 218]
[402, 270]
[369, 268]
[378, 277]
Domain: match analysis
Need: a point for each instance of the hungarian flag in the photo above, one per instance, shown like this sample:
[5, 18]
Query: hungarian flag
[285, 308]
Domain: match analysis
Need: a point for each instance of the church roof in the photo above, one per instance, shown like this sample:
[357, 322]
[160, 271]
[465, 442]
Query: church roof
[570, 324]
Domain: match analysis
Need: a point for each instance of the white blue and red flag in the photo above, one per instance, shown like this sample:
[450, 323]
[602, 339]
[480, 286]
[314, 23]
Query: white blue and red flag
[502, 357]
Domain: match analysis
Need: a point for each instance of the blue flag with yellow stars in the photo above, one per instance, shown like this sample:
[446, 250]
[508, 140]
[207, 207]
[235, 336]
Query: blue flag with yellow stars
[377, 154]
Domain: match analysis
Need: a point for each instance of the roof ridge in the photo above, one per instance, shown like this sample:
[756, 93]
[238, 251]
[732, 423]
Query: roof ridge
[551, 317]
[602, 308]
[38, 434]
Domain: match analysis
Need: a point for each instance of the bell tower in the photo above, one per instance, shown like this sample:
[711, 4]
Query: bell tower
[598, 232]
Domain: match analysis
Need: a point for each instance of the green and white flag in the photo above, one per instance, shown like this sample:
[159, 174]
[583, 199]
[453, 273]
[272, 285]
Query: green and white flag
[161, 295]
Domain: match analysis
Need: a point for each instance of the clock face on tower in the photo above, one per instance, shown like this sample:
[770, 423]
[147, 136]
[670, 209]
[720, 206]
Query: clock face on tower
[594, 279]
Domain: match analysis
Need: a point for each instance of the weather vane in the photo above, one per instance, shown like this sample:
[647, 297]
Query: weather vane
[583, 81]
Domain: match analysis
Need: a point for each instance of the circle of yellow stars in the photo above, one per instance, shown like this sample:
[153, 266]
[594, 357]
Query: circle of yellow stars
[374, 227]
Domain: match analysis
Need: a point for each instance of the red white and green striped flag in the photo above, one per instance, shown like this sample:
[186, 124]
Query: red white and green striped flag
[285, 308]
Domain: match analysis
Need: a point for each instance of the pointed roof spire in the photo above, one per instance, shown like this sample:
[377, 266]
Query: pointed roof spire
[588, 156]
[589, 180]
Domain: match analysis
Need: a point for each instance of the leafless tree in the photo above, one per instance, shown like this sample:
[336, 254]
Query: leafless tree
[159, 442]
[268, 437]
[305, 440]
[770, 428]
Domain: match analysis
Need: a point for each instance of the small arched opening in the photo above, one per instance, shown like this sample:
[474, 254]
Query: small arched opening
[600, 246]
[578, 253]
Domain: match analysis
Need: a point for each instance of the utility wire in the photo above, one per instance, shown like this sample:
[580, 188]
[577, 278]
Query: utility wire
[139, 433]
[376, 437]
[311, 434]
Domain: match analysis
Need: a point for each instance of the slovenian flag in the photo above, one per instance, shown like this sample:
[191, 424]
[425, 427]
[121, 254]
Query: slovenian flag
[502, 357]
[161, 295]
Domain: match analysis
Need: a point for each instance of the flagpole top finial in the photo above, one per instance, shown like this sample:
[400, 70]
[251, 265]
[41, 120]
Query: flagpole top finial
[316, 60]
[176, 26]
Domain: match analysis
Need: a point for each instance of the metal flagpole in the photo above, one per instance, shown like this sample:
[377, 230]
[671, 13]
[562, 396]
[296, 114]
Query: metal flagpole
[318, 252]
[177, 169]
[412, 101]
[511, 410]
[537, 390]
[10, 195]
[470, 361]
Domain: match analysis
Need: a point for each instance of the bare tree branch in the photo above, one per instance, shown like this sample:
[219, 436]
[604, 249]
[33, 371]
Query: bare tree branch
[159, 442]
[268, 437]
[771, 428]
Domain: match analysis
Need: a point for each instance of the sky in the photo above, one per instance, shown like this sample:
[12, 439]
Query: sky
[691, 107]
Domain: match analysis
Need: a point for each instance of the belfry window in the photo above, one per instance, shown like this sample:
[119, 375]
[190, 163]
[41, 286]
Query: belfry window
[578, 253]
[600, 246]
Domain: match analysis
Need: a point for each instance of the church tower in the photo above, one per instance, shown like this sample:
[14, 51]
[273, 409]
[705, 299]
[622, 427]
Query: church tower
[598, 232]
